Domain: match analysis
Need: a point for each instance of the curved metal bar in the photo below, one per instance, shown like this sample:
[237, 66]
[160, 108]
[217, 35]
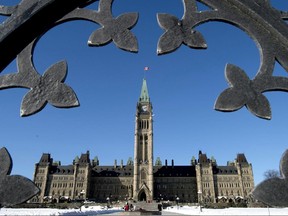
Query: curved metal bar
[21, 30]
[55, 91]
[16, 31]
[260, 21]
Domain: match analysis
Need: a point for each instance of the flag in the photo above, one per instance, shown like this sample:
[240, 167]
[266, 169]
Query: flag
[146, 68]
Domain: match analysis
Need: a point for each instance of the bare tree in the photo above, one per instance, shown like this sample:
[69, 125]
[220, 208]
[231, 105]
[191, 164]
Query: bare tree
[271, 174]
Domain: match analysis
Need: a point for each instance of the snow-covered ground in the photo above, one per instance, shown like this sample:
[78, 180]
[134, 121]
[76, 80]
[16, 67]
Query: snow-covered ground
[185, 210]
[92, 210]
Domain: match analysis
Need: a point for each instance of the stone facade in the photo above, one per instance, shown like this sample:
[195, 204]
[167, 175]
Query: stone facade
[221, 183]
[139, 179]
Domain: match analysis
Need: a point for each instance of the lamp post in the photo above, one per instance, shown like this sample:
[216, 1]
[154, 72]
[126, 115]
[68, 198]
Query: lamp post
[108, 202]
[200, 199]
[177, 201]
[82, 194]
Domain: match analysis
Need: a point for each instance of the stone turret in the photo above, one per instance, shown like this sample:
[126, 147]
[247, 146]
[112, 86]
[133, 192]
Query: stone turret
[41, 174]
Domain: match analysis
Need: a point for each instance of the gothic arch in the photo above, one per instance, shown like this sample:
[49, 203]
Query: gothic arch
[142, 196]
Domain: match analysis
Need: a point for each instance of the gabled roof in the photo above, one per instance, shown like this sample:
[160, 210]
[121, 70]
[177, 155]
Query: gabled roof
[202, 158]
[241, 159]
[45, 159]
[84, 158]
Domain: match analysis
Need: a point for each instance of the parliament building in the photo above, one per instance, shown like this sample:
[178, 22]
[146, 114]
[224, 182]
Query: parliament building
[203, 180]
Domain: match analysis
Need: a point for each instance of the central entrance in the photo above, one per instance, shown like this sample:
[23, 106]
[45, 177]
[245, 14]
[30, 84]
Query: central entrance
[142, 196]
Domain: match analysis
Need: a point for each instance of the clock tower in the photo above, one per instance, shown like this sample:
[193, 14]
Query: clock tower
[143, 148]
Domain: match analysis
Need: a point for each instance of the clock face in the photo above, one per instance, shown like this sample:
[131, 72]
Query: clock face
[144, 108]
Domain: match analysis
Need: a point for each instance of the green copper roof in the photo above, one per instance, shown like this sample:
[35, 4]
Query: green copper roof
[76, 159]
[144, 97]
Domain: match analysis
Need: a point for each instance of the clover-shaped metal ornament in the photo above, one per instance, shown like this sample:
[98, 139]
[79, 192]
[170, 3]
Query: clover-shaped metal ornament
[21, 31]
[242, 91]
[48, 88]
[14, 189]
[274, 191]
[265, 24]
[117, 30]
[30, 19]
[177, 32]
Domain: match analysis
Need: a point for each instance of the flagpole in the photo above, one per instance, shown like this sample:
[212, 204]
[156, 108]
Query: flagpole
[145, 70]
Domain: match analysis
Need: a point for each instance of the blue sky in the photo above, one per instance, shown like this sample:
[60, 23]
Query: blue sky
[183, 87]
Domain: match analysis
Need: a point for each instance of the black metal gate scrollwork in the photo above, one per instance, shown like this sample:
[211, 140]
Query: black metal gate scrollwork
[257, 18]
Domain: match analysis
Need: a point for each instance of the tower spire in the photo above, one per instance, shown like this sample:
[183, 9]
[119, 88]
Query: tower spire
[143, 148]
[144, 96]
